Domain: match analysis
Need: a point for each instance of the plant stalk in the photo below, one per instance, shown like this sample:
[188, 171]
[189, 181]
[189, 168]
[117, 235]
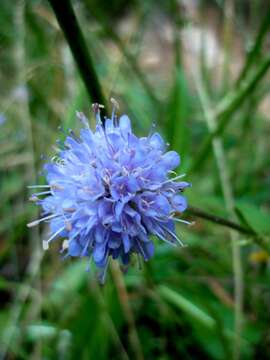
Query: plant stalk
[69, 24]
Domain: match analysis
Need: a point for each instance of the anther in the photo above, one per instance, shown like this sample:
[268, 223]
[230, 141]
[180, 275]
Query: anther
[45, 245]
[56, 187]
[82, 118]
[68, 226]
[96, 109]
[33, 198]
[65, 244]
[69, 210]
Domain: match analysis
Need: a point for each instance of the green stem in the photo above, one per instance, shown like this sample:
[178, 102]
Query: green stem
[229, 202]
[255, 50]
[227, 40]
[123, 296]
[69, 24]
[226, 108]
[231, 102]
[219, 220]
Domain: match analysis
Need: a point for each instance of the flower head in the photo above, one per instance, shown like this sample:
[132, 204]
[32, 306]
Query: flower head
[109, 191]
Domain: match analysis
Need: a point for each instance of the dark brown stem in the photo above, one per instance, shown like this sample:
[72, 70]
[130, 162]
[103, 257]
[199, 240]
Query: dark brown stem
[69, 24]
[219, 220]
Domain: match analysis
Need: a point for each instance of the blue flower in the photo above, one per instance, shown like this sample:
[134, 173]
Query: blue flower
[109, 192]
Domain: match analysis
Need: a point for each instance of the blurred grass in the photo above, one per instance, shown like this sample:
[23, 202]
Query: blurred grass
[181, 304]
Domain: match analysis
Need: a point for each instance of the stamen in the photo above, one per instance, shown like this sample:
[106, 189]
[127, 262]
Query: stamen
[182, 221]
[68, 225]
[36, 222]
[42, 193]
[38, 186]
[45, 243]
[115, 106]
[57, 160]
[73, 236]
[74, 136]
[173, 235]
[102, 274]
[85, 247]
[65, 244]
[110, 146]
[164, 219]
[115, 103]
[56, 187]
[44, 157]
[96, 109]
[59, 142]
[173, 179]
[69, 210]
[57, 149]
[143, 253]
[152, 129]
[165, 239]
[61, 129]
[82, 118]
[33, 198]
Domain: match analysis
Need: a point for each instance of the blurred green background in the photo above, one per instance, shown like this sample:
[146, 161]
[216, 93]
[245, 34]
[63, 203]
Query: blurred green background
[198, 69]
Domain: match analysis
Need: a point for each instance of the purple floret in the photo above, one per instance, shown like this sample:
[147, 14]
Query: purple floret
[108, 191]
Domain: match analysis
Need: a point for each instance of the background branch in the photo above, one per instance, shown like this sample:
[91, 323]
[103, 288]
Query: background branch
[218, 220]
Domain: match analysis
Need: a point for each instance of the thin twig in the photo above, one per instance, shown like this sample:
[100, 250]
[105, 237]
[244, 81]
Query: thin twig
[229, 202]
[124, 301]
[219, 220]
[260, 240]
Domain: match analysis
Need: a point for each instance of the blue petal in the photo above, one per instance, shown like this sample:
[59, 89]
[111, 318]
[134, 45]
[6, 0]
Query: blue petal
[146, 249]
[74, 248]
[170, 160]
[132, 184]
[149, 248]
[99, 252]
[179, 203]
[124, 125]
[114, 242]
[109, 126]
[118, 209]
[162, 205]
[87, 136]
[100, 234]
[105, 210]
[126, 242]
[157, 142]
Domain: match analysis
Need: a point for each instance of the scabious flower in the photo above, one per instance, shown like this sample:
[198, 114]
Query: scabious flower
[110, 192]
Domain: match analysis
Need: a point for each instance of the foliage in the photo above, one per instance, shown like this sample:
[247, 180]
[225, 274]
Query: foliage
[181, 303]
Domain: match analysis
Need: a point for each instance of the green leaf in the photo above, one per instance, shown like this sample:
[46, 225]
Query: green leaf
[255, 218]
[187, 306]
[69, 282]
[177, 114]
